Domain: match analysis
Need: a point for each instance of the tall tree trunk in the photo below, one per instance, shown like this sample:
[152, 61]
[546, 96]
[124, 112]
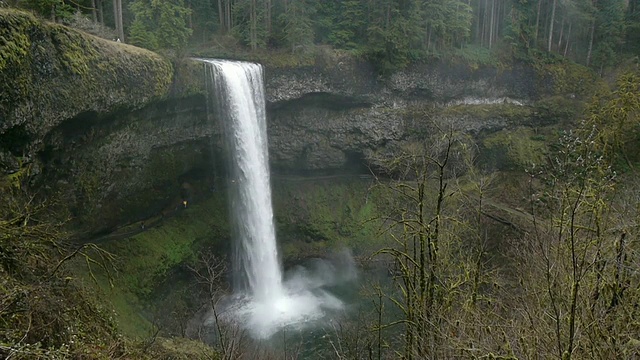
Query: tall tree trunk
[483, 18]
[230, 15]
[535, 38]
[227, 13]
[267, 16]
[566, 43]
[485, 21]
[478, 18]
[94, 12]
[253, 25]
[553, 18]
[491, 24]
[100, 12]
[592, 30]
[561, 33]
[496, 31]
[117, 16]
[388, 17]
[221, 18]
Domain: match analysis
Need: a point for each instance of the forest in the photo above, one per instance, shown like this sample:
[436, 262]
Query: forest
[388, 33]
[518, 241]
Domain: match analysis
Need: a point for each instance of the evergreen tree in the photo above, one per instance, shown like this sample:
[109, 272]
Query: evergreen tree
[159, 24]
[249, 24]
[633, 26]
[448, 23]
[298, 27]
[610, 32]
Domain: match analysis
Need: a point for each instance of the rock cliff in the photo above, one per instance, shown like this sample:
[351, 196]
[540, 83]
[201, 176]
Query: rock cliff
[122, 134]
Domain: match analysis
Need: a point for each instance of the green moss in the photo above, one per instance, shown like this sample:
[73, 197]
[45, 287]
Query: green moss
[315, 215]
[163, 164]
[489, 111]
[125, 307]
[182, 349]
[188, 79]
[518, 148]
[49, 73]
[145, 258]
[14, 43]
[475, 56]
[14, 54]
[557, 109]
[567, 78]
[75, 54]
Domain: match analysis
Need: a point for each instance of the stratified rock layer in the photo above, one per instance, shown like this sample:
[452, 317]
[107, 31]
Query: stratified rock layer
[122, 134]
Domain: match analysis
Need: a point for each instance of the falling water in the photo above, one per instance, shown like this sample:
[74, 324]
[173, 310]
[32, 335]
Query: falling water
[240, 97]
[263, 302]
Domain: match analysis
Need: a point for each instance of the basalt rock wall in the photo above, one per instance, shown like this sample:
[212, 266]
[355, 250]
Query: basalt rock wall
[122, 134]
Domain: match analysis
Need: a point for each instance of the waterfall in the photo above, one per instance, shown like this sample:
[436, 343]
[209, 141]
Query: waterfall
[262, 302]
[240, 100]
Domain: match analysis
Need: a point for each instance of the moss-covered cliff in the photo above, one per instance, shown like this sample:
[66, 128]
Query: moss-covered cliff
[96, 120]
[50, 73]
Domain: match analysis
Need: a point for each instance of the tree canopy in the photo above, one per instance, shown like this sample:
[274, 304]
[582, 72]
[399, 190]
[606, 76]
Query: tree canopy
[391, 33]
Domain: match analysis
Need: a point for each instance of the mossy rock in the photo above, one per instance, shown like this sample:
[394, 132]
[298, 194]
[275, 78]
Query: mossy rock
[188, 79]
[50, 73]
[512, 112]
[146, 257]
[513, 149]
[313, 216]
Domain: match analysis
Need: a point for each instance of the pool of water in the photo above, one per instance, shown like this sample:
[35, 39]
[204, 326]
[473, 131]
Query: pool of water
[348, 330]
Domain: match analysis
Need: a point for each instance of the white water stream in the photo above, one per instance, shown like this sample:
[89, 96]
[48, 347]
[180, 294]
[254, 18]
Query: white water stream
[263, 302]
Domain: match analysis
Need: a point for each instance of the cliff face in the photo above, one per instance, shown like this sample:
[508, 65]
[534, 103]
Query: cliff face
[123, 135]
[337, 115]
[50, 74]
[93, 120]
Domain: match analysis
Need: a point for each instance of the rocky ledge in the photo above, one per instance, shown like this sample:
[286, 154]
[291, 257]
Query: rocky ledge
[123, 134]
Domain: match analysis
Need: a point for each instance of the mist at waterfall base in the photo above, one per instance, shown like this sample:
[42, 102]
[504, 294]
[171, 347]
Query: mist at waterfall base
[264, 301]
[307, 300]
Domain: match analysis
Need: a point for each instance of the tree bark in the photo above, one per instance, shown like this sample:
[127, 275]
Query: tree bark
[100, 12]
[221, 17]
[491, 23]
[553, 18]
[267, 16]
[566, 43]
[478, 33]
[253, 26]
[561, 33]
[592, 30]
[535, 38]
[117, 12]
[94, 12]
[115, 17]
[229, 17]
